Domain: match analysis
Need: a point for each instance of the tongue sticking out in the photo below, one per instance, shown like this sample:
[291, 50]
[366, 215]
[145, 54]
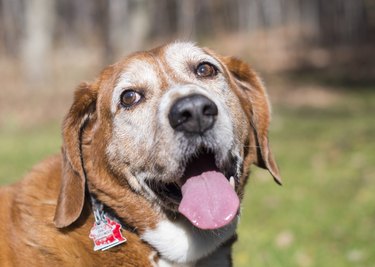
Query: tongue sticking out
[208, 200]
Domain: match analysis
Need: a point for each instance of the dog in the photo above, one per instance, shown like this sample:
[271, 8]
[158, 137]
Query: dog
[156, 153]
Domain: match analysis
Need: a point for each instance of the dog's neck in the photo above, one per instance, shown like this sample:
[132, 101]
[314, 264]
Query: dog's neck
[100, 212]
[175, 240]
[128, 207]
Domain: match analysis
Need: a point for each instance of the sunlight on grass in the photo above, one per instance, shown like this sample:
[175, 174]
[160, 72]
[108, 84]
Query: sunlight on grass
[22, 148]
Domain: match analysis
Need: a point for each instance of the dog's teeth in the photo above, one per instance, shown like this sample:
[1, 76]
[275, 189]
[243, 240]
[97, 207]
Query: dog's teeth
[231, 181]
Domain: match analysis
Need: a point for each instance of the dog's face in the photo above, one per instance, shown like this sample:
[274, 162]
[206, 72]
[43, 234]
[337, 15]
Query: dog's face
[179, 124]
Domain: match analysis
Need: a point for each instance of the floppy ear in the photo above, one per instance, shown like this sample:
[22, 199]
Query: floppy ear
[257, 107]
[72, 191]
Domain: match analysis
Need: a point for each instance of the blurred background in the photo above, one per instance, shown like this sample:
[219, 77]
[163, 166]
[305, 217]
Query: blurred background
[317, 59]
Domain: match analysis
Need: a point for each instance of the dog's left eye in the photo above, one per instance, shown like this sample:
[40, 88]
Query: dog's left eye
[129, 98]
[206, 70]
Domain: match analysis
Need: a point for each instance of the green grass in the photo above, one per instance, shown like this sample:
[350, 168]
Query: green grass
[323, 215]
[22, 148]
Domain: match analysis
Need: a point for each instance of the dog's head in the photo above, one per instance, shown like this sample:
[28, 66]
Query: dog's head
[179, 125]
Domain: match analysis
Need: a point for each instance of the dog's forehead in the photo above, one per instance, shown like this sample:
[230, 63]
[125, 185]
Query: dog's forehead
[140, 69]
[180, 53]
[165, 62]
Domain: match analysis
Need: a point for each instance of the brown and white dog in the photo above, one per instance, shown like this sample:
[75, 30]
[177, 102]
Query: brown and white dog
[161, 143]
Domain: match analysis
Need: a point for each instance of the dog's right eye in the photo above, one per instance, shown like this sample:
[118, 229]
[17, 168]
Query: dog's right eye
[129, 98]
[206, 70]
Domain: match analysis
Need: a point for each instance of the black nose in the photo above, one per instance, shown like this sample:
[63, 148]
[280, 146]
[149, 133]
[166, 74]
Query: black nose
[193, 114]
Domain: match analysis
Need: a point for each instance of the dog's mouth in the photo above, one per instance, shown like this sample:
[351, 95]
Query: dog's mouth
[205, 193]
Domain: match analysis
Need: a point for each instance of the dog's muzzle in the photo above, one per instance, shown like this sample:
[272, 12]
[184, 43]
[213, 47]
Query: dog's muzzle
[205, 191]
[193, 114]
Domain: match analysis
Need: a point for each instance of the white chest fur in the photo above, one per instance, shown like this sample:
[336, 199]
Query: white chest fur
[181, 242]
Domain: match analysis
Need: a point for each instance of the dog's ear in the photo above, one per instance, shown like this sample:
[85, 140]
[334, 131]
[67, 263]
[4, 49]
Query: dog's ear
[254, 98]
[72, 191]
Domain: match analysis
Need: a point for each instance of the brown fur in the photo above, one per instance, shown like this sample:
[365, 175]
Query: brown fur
[254, 101]
[46, 218]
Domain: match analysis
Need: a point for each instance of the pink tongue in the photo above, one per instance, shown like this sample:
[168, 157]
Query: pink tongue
[208, 200]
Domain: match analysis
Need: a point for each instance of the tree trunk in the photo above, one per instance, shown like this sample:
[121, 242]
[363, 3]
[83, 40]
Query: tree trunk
[11, 25]
[37, 41]
[186, 18]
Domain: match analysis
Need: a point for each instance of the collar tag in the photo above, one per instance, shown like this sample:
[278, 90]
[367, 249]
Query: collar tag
[105, 233]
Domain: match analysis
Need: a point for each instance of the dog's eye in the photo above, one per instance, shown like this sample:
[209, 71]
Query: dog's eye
[130, 98]
[206, 70]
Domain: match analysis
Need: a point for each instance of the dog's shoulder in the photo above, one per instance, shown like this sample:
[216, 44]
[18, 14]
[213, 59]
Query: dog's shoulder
[38, 190]
[30, 238]
[35, 195]
[27, 207]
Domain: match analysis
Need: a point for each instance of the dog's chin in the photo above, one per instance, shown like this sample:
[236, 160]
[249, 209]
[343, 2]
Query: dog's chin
[203, 163]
